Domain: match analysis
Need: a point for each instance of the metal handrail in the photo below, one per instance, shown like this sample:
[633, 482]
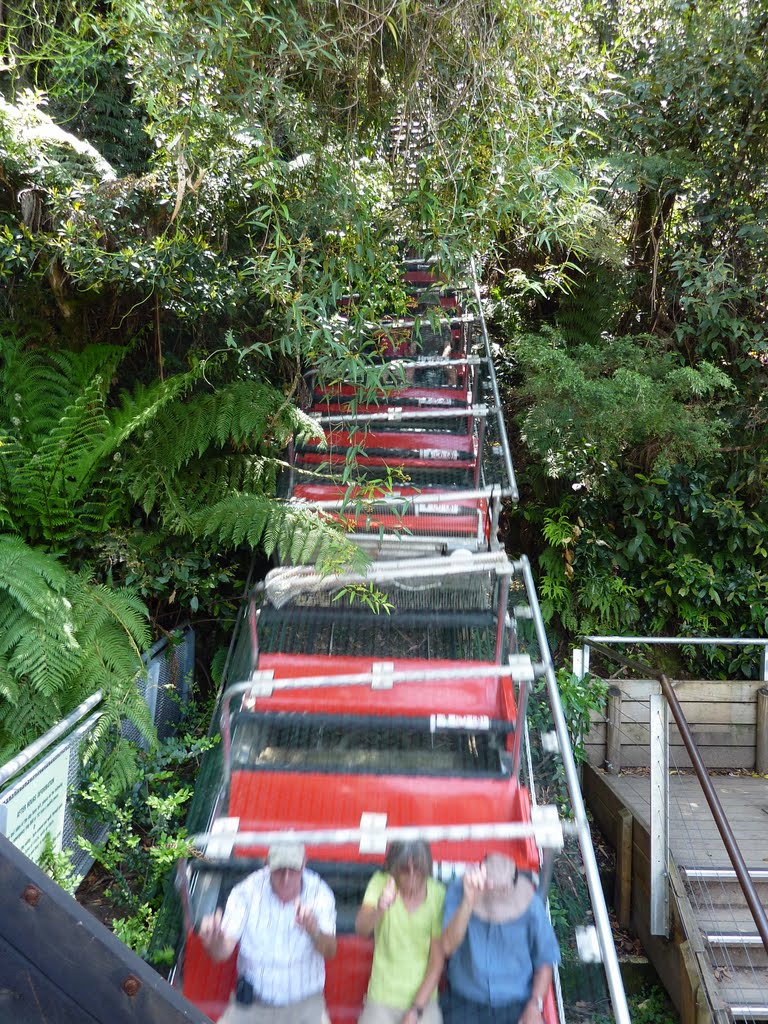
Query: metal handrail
[723, 825]
[494, 384]
[696, 641]
[710, 793]
[28, 754]
[594, 885]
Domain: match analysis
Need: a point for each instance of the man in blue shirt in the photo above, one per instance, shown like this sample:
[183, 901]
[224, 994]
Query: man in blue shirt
[501, 946]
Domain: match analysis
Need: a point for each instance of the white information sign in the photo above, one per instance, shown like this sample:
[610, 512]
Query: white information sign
[34, 807]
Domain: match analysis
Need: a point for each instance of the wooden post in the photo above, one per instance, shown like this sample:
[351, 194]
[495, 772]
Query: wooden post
[689, 983]
[623, 896]
[613, 732]
[761, 735]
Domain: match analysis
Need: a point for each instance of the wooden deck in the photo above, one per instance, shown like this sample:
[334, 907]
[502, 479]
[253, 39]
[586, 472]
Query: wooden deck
[694, 839]
[703, 985]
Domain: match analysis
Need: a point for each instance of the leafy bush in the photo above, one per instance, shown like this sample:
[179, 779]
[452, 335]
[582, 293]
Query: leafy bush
[146, 834]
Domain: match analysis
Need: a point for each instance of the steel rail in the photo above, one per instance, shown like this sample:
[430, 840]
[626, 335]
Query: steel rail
[504, 440]
[29, 753]
[594, 885]
[735, 856]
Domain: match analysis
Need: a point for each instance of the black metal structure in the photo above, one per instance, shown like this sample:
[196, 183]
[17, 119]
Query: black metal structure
[59, 965]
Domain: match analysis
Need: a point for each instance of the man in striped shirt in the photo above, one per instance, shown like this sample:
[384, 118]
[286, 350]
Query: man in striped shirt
[284, 918]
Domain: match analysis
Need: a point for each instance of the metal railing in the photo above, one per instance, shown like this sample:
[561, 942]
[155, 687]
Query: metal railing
[64, 740]
[581, 655]
[660, 784]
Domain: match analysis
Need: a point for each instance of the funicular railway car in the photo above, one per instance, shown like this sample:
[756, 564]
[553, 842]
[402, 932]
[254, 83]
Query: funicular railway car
[391, 704]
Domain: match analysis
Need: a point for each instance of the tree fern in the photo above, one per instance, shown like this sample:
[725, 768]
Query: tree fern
[201, 458]
[62, 637]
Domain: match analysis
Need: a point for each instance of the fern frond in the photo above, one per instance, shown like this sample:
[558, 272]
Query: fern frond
[40, 385]
[48, 660]
[138, 411]
[59, 472]
[24, 722]
[9, 687]
[100, 608]
[119, 767]
[30, 577]
[297, 534]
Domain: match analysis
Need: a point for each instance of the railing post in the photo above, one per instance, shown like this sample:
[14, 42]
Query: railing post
[580, 661]
[613, 731]
[659, 750]
[522, 704]
[761, 736]
[503, 619]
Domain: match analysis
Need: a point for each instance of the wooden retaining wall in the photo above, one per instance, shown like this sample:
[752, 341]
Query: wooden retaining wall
[729, 721]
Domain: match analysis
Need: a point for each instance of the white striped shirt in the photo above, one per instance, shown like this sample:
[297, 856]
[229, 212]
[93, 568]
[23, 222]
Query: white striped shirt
[276, 954]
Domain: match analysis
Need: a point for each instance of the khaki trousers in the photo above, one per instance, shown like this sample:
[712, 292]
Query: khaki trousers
[307, 1011]
[377, 1013]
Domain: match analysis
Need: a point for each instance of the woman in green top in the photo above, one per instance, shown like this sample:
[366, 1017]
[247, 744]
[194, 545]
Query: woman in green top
[402, 909]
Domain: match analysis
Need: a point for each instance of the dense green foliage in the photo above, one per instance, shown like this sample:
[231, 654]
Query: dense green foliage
[640, 390]
[186, 191]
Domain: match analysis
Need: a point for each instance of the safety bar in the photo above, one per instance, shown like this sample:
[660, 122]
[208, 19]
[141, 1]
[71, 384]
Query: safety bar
[263, 684]
[283, 584]
[437, 362]
[404, 413]
[383, 325]
[412, 569]
[548, 831]
[425, 497]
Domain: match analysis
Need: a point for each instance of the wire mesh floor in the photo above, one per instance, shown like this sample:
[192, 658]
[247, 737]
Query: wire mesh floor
[357, 744]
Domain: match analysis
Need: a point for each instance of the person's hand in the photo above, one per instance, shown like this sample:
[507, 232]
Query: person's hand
[474, 883]
[210, 930]
[306, 919]
[213, 937]
[531, 1014]
[410, 1017]
[388, 895]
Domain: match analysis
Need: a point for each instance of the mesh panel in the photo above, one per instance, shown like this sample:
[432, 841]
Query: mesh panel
[353, 744]
[165, 687]
[424, 635]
